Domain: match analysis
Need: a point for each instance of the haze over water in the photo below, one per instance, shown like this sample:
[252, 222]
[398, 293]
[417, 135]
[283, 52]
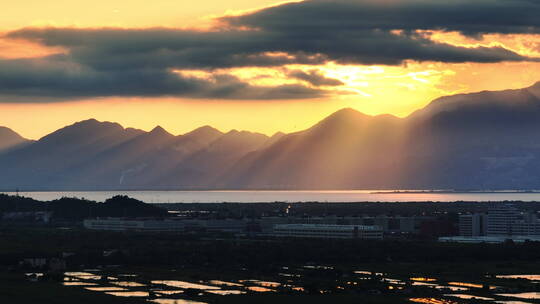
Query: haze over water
[287, 196]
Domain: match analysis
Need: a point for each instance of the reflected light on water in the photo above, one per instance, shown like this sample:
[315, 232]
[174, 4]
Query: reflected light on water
[431, 301]
[78, 284]
[184, 285]
[105, 289]
[128, 284]
[468, 297]
[421, 279]
[226, 292]
[463, 284]
[259, 289]
[175, 301]
[129, 293]
[223, 283]
[530, 277]
[523, 295]
[168, 292]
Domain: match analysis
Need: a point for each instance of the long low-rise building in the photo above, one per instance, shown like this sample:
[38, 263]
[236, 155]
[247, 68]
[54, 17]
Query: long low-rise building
[329, 231]
[115, 224]
[488, 239]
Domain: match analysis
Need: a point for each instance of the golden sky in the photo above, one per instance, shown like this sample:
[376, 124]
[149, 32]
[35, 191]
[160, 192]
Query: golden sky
[372, 89]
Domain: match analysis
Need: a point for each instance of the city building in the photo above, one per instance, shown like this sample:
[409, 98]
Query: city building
[329, 231]
[389, 224]
[31, 216]
[502, 222]
[473, 224]
[225, 225]
[489, 239]
[501, 219]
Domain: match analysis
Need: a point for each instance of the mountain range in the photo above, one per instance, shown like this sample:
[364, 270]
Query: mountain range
[485, 140]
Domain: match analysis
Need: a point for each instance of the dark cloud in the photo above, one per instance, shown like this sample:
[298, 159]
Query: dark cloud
[315, 78]
[110, 49]
[466, 16]
[139, 62]
[57, 78]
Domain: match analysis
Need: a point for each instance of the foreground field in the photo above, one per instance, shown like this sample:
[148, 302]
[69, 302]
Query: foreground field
[292, 271]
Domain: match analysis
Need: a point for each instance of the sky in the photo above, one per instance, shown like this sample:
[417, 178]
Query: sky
[258, 65]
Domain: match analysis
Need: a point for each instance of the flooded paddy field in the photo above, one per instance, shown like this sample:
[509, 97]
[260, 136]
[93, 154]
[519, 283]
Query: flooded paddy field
[104, 267]
[318, 282]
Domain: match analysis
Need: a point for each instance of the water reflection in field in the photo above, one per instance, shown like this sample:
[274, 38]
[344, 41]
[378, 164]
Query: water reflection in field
[105, 289]
[168, 292]
[186, 291]
[175, 301]
[468, 297]
[259, 289]
[226, 292]
[523, 295]
[223, 283]
[185, 285]
[530, 277]
[83, 275]
[431, 301]
[76, 283]
[128, 284]
[422, 279]
[139, 294]
[463, 284]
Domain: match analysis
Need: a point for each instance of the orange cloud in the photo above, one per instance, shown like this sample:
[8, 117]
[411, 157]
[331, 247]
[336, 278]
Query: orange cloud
[19, 48]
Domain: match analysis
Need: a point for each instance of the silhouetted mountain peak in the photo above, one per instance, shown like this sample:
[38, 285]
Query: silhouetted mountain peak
[484, 103]
[243, 133]
[93, 123]
[535, 89]
[278, 135]
[346, 115]
[7, 132]
[88, 121]
[134, 131]
[89, 125]
[204, 131]
[10, 139]
[341, 119]
[87, 132]
[158, 130]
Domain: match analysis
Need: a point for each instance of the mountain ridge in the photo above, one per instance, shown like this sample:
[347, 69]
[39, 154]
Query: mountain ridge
[483, 140]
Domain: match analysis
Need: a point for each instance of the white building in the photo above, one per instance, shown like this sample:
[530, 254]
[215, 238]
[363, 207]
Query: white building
[488, 239]
[503, 221]
[116, 224]
[329, 231]
[501, 218]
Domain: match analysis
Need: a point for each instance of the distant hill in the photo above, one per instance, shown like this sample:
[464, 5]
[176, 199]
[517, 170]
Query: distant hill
[204, 168]
[75, 209]
[485, 140]
[9, 139]
[329, 155]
